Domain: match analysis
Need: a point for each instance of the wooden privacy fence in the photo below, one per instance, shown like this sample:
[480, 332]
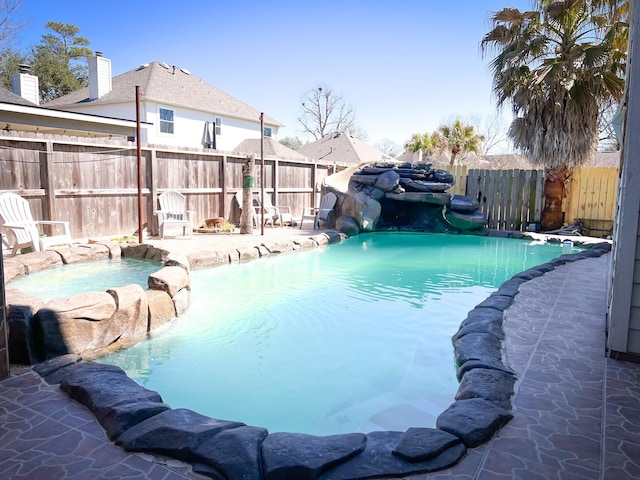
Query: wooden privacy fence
[459, 173]
[512, 199]
[94, 185]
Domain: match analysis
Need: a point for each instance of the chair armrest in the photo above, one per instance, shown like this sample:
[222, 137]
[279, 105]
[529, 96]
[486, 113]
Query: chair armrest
[51, 222]
[64, 224]
[310, 211]
[22, 226]
[323, 213]
[284, 208]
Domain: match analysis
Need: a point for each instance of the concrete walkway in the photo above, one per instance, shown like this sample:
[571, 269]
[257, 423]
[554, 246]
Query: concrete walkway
[577, 413]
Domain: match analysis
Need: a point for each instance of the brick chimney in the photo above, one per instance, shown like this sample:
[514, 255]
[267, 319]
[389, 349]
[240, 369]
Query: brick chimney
[26, 85]
[99, 76]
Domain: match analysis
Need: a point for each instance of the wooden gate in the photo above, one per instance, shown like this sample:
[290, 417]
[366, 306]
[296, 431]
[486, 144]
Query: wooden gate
[591, 199]
[510, 199]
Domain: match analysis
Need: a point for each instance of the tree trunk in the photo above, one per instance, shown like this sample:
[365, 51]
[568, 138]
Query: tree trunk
[246, 217]
[554, 192]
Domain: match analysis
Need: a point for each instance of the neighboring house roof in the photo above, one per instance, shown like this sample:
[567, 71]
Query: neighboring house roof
[605, 159]
[507, 161]
[341, 147]
[599, 159]
[21, 115]
[405, 157]
[9, 97]
[166, 84]
[442, 161]
[272, 149]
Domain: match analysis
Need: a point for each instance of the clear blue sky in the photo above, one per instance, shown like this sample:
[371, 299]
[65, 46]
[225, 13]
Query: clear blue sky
[404, 65]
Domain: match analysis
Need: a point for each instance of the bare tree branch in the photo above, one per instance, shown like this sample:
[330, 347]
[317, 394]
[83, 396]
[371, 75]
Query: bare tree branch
[323, 112]
[9, 25]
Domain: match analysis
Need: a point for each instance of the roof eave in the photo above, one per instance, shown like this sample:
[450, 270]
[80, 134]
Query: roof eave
[49, 118]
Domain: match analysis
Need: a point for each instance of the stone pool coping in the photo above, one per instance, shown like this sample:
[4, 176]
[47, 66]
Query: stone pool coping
[137, 419]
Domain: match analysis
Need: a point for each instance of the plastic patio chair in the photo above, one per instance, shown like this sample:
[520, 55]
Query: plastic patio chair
[271, 212]
[17, 218]
[173, 212]
[327, 203]
[281, 213]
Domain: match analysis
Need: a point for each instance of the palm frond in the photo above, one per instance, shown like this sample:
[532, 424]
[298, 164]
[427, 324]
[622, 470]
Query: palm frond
[555, 67]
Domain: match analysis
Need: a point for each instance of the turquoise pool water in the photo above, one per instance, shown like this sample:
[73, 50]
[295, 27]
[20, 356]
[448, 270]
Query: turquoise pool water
[98, 275]
[354, 337]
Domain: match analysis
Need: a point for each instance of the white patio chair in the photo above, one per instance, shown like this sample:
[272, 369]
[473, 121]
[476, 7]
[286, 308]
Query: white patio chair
[279, 213]
[283, 211]
[309, 214]
[17, 218]
[271, 212]
[327, 203]
[268, 212]
[173, 212]
[258, 216]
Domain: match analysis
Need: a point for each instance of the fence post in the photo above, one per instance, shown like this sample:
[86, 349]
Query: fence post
[47, 182]
[274, 181]
[223, 184]
[152, 221]
[4, 327]
[314, 175]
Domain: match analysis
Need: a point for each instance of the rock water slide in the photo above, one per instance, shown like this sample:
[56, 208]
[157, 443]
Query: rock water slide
[378, 196]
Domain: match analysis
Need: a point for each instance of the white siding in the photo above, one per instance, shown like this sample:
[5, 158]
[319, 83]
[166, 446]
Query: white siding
[99, 77]
[26, 86]
[634, 316]
[188, 125]
[623, 331]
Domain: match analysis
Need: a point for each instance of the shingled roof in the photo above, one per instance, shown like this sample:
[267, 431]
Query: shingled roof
[341, 147]
[272, 149]
[166, 84]
[9, 97]
[509, 161]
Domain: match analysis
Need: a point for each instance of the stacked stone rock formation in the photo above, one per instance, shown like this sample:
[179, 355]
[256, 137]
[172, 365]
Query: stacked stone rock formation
[400, 196]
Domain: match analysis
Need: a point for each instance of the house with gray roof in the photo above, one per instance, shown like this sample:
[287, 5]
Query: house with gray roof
[180, 109]
[271, 149]
[20, 112]
[342, 148]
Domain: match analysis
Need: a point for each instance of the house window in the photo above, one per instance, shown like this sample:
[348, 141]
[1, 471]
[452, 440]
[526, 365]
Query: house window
[166, 120]
[218, 125]
[267, 131]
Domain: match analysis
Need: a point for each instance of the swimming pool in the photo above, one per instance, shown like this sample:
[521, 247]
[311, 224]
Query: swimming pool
[354, 337]
[97, 275]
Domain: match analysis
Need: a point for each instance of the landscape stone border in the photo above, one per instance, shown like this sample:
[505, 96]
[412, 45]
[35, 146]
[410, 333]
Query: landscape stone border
[137, 419]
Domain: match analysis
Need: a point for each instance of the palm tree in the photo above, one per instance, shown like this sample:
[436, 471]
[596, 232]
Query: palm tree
[556, 66]
[459, 139]
[423, 144]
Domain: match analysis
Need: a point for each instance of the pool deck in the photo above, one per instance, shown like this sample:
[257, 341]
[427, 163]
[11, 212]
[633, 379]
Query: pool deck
[576, 412]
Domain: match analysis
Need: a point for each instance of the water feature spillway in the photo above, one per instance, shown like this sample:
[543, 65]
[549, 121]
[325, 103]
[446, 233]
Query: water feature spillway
[381, 196]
